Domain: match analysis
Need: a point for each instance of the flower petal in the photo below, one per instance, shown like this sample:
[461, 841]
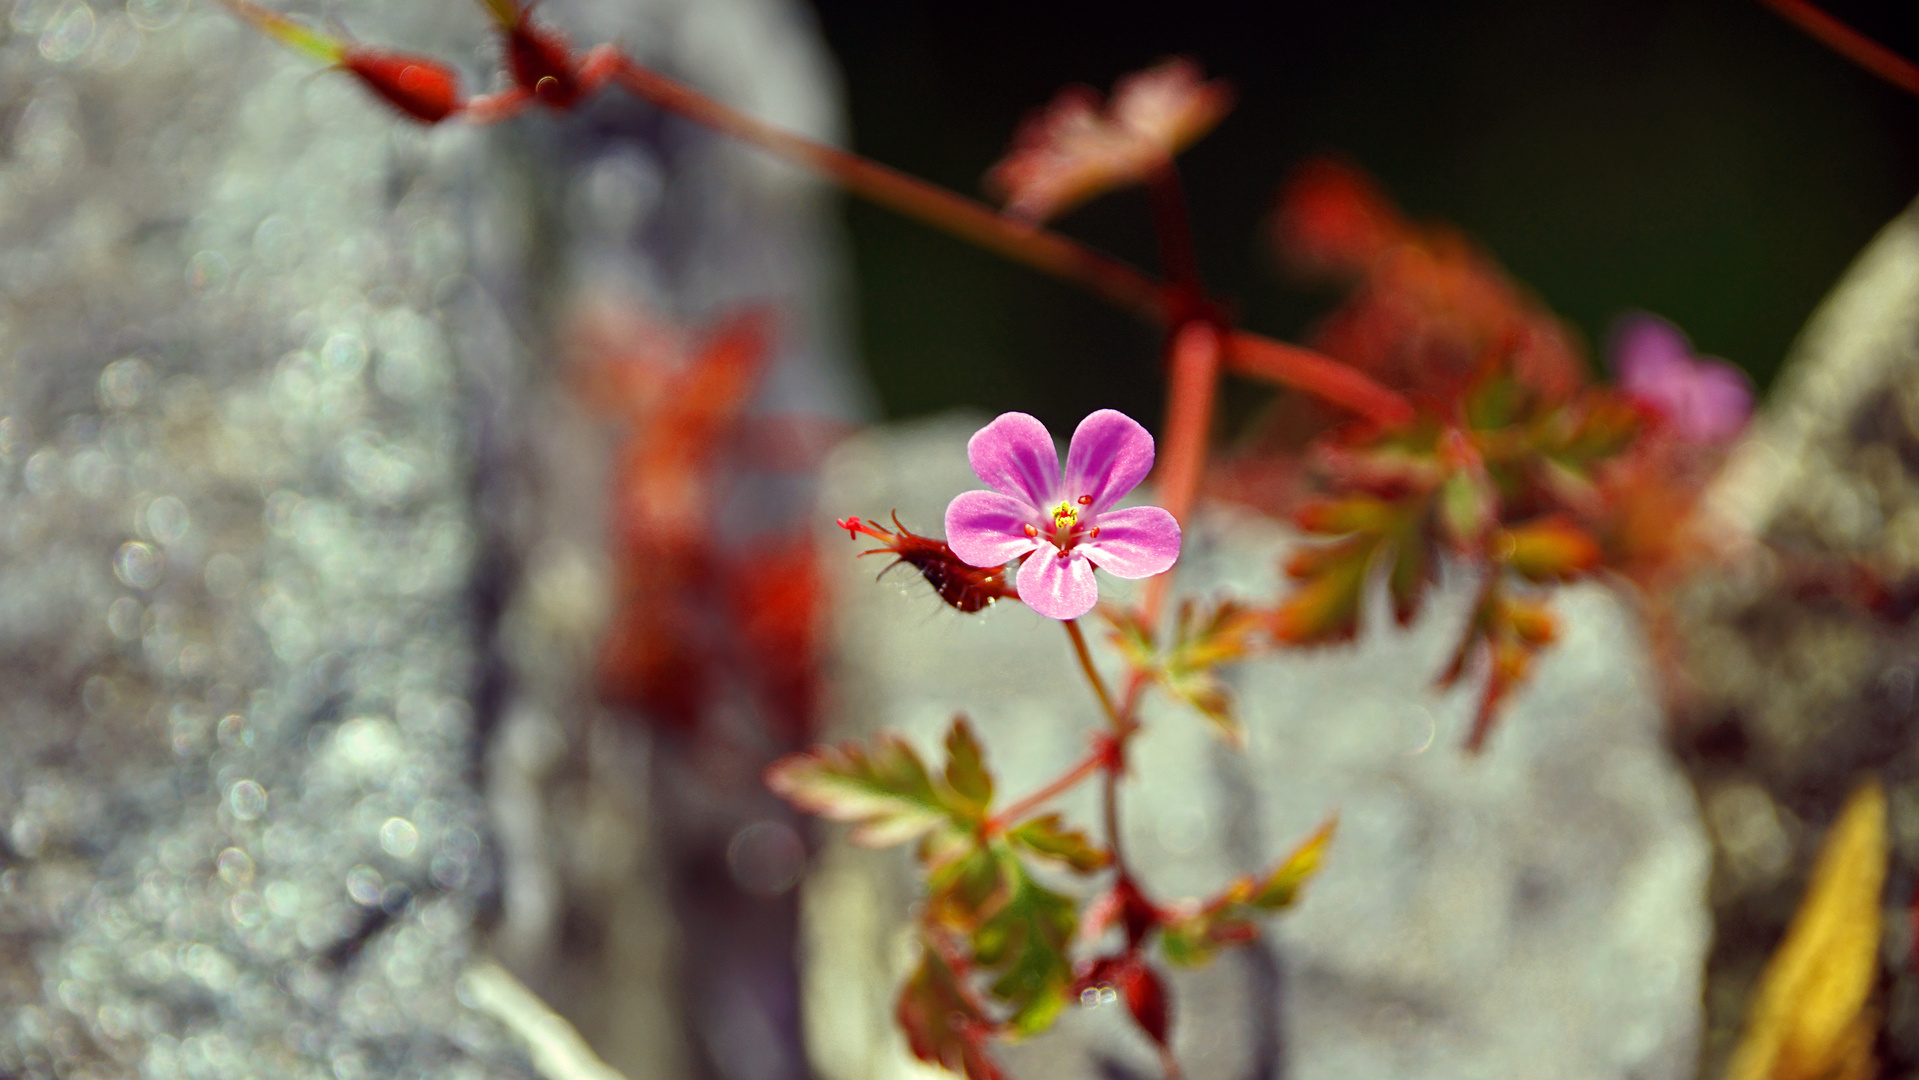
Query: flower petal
[1015, 456]
[1717, 403]
[985, 528]
[1644, 348]
[1136, 542]
[1110, 455]
[1058, 586]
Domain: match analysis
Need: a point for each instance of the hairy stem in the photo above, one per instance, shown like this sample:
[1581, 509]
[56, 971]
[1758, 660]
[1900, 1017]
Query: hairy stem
[1850, 43]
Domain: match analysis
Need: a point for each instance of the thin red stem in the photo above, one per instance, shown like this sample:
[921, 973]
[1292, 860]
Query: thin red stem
[1850, 43]
[965, 218]
[1042, 249]
[1194, 382]
[1321, 376]
[1173, 226]
[1093, 762]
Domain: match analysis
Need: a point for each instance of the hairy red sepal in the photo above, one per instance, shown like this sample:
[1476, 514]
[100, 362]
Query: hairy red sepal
[965, 588]
[542, 64]
[424, 89]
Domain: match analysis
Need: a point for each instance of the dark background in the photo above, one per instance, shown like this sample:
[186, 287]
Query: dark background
[1704, 160]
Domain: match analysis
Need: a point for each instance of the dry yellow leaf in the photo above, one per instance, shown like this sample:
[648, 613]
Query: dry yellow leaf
[1809, 1018]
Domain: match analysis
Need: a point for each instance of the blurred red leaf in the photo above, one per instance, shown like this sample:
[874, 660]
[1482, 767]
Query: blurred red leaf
[1073, 149]
[943, 1025]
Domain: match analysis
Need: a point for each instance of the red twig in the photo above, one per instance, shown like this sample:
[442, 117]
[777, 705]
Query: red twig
[1850, 43]
[1095, 760]
[1321, 376]
[1251, 355]
[1192, 387]
[966, 218]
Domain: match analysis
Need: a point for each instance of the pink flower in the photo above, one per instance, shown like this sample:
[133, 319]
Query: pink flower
[1061, 529]
[1705, 399]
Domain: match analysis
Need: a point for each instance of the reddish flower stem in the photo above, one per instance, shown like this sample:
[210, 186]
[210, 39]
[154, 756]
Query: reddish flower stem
[1850, 43]
[1092, 676]
[1041, 249]
[1194, 360]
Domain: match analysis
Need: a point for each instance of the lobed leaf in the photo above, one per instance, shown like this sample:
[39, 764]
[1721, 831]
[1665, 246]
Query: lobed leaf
[1188, 668]
[1550, 549]
[1196, 932]
[1049, 837]
[942, 1023]
[886, 792]
[1073, 149]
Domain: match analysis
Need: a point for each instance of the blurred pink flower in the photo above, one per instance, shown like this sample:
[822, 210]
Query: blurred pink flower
[1704, 398]
[1062, 529]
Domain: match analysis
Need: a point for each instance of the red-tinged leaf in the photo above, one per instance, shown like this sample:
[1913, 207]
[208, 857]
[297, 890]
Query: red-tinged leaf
[1280, 888]
[1188, 668]
[1351, 514]
[1326, 606]
[1412, 570]
[1049, 837]
[1023, 939]
[1549, 549]
[1509, 632]
[884, 790]
[1147, 999]
[966, 773]
[1194, 932]
[1073, 149]
[942, 1024]
[1334, 221]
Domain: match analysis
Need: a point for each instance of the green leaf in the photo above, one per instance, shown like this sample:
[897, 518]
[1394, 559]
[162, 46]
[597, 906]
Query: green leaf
[966, 773]
[1280, 888]
[1198, 931]
[886, 791]
[1026, 942]
[1188, 669]
[883, 790]
[942, 1024]
[1049, 837]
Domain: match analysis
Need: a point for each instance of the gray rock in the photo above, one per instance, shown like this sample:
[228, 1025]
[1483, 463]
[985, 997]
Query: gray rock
[1536, 911]
[275, 416]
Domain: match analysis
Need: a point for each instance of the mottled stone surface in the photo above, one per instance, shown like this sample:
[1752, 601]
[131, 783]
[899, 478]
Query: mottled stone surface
[295, 513]
[1537, 911]
[1800, 657]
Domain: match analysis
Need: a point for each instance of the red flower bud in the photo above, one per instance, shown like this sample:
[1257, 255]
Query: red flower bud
[542, 64]
[424, 89]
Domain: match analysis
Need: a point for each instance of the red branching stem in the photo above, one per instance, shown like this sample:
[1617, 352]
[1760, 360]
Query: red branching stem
[1252, 355]
[965, 218]
[1850, 43]
[1192, 388]
[1173, 226]
[1323, 377]
[1095, 760]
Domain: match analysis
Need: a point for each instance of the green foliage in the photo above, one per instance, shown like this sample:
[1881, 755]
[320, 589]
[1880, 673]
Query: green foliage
[1048, 837]
[1194, 935]
[1188, 668]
